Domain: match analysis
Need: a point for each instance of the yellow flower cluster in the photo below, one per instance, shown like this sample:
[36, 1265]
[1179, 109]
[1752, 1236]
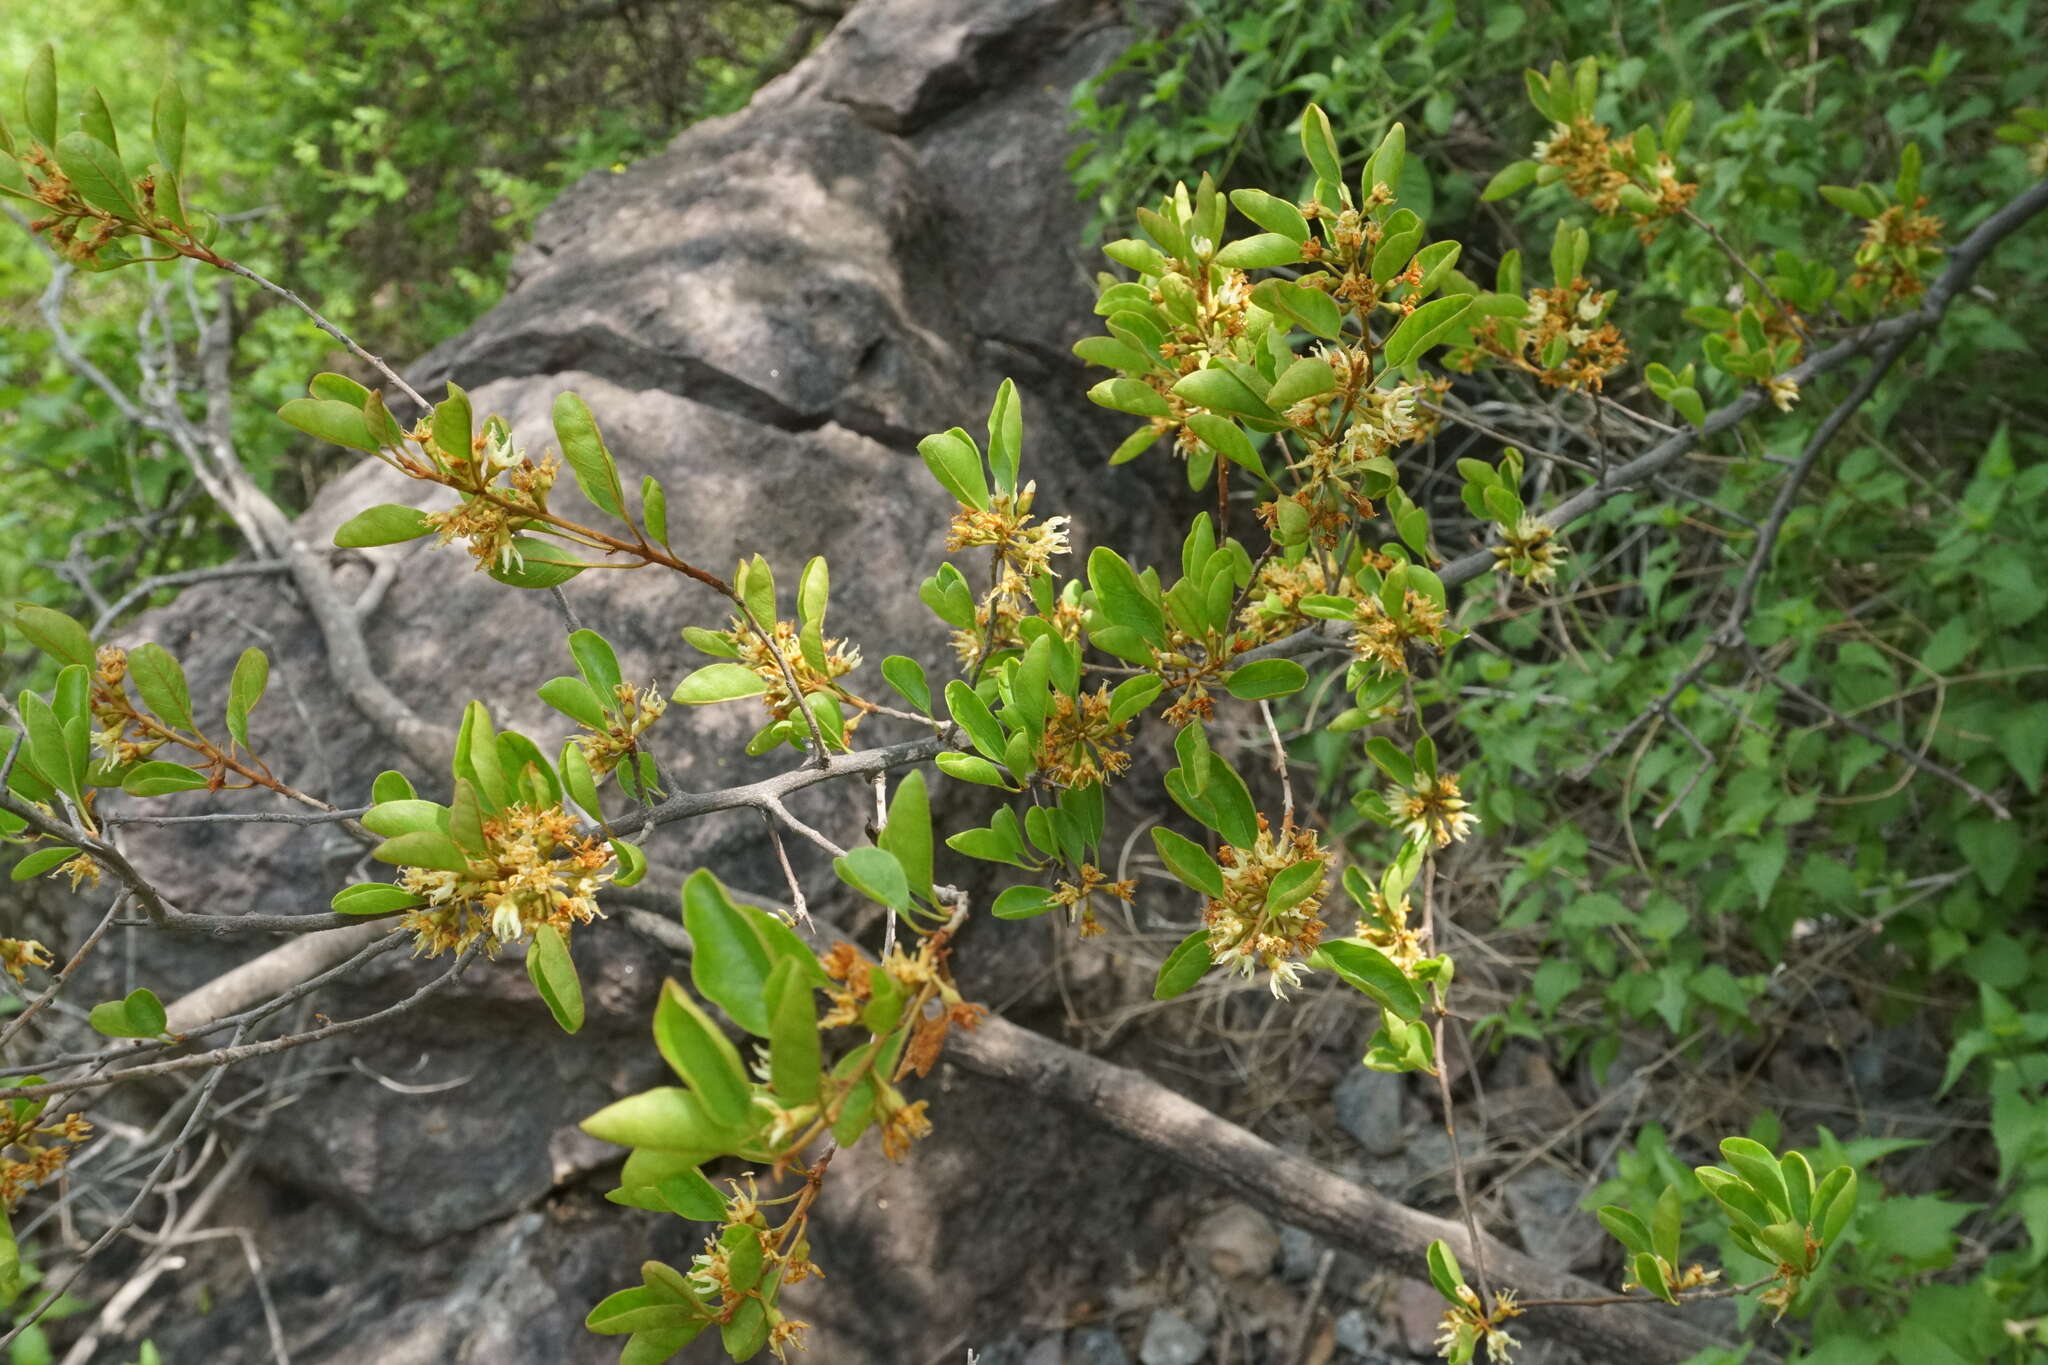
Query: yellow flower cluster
[1244, 931]
[535, 871]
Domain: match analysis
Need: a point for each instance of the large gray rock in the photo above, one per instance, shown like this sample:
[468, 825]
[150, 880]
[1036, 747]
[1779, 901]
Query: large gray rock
[766, 317]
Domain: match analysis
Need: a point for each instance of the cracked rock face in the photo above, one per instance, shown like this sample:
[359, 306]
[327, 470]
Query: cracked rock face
[766, 316]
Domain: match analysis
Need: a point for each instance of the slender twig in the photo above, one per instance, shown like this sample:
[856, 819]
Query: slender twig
[57, 984]
[119, 1225]
[241, 1052]
[1443, 1085]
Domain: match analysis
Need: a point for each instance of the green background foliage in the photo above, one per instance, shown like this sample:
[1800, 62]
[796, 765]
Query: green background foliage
[1798, 887]
[384, 157]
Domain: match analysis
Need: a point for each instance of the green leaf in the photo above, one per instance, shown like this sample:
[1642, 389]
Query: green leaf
[453, 427]
[1992, 848]
[1122, 597]
[391, 786]
[1184, 966]
[161, 779]
[1319, 144]
[96, 172]
[793, 1050]
[1188, 861]
[584, 450]
[574, 698]
[373, 898]
[956, 464]
[48, 746]
[654, 509]
[96, 120]
[1422, 327]
[245, 689]
[140, 1015]
[876, 874]
[665, 1119]
[718, 682]
[1624, 1227]
[339, 424]
[908, 832]
[1266, 678]
[54, 633]
[161, 683]
[385, 524]
[539, 565]
[1512, 178]
[1021, 902]
[702, 1056]
[422, 848]
[405, 815]
[755, 583]
[730, 961]
[906, 675]
[39, 95]
[1124, 395]
[1132, 696]
[1308, 377]
[971, 714]
[1006, 437]
[598, 664]
[41, 861]
[553, 973]
[1227, 439]
[1221, 391]
[1367, 969]
[971, 768]
[1445, 1273]
[1271, 213]
[1261, 251]
[1755, 1164]
[687, 1194]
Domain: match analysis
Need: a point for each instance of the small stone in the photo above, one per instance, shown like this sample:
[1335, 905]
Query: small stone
[1351, 1332]
[1545, 1204]
[1418, 1309]
[1045, 1351]
[1369, 1108]
[1235, 1240]
[1300, 1253]
[1096, 1346]
[1171, 1339]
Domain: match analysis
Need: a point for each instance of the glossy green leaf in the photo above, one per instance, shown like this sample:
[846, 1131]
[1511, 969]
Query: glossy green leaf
[1421, 328]
[793, 1048]
[1188, 861]
[1266, 678]
[54, 633]
[373, 898]
[701, 1055]
[1367, 969]
[665, 1119]
[161, 684]
[1021, 902]
[553, 973]
[718, 682]
[1184, 966]
[908, 832]
[422, 848]
[385, 524]
[158, 778]
[245, 689]
[906, 675]
[584, 450]
[955, 462]
[876, 874]
[41, 861]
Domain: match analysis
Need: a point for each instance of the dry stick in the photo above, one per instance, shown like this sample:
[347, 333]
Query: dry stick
[1296, 1190]
[128, 1215]
[241, 1052]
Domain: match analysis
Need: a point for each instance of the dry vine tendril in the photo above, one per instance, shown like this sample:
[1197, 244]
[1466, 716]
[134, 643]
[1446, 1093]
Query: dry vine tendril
[1208, 358]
